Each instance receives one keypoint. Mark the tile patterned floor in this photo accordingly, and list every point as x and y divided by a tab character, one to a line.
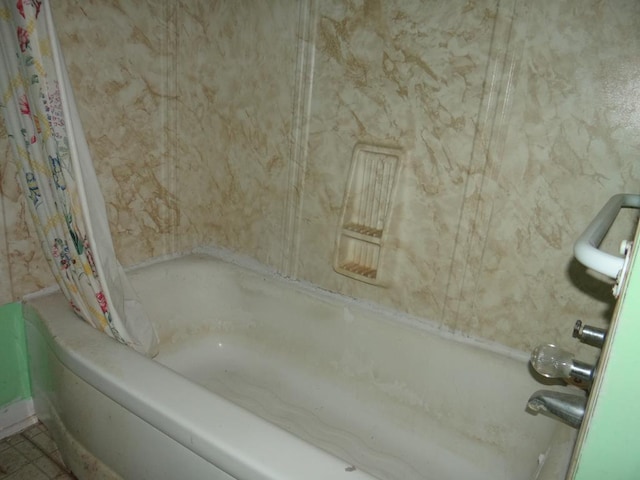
31	455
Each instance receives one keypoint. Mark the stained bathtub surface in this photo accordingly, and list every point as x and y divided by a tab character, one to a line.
375	388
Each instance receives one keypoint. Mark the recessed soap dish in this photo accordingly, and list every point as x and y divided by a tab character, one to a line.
365	212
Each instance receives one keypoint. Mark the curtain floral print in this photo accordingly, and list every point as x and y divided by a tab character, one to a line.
57	176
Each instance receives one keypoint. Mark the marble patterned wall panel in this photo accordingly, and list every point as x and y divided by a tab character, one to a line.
233	123
518	123
23	268
570	143
120	58
403	74
28	270
236	78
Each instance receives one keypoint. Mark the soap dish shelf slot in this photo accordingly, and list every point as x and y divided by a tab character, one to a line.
362	232
365	212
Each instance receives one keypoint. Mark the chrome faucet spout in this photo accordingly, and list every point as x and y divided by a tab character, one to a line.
567	407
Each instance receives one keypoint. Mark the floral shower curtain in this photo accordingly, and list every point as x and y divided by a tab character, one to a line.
56	174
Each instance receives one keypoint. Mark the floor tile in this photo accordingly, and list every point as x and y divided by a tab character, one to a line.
45	442
15	439
32	455
4	444
47	466
28	472
33	430
29	450
11	460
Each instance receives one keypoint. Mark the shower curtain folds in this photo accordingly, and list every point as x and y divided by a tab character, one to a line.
56	175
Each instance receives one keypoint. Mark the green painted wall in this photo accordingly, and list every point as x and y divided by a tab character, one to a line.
611	448
14	371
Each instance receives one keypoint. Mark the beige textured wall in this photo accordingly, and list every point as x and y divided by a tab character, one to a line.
233	123
235	80
519	122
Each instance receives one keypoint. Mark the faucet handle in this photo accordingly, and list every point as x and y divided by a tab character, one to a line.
590	335
554	362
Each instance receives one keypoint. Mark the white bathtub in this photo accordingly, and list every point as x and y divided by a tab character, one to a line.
263	378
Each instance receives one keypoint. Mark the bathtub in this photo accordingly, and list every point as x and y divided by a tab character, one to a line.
259	377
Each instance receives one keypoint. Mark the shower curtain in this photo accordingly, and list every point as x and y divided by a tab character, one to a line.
56	175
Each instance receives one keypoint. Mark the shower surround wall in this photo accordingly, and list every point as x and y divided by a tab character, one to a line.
233	124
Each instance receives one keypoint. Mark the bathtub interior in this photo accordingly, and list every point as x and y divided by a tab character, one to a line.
115	412
375	388
99	439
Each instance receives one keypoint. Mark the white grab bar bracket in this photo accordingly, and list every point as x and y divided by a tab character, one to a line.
586	247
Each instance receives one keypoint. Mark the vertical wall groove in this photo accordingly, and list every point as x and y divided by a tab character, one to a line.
170	127
299	136
485	162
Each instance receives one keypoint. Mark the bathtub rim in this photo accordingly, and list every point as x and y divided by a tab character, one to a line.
266	454
386	313
423	324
